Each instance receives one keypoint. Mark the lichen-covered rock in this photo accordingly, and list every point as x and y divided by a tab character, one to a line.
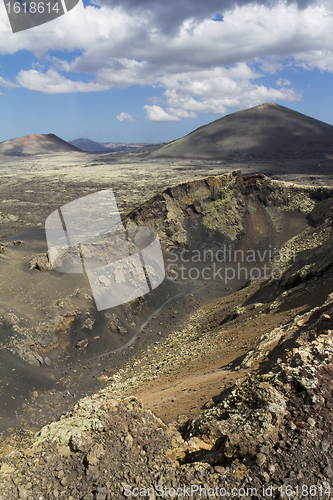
125	419
242	422
215	207
97	449
306	362
270	339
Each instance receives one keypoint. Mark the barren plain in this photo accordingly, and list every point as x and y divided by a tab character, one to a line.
32	187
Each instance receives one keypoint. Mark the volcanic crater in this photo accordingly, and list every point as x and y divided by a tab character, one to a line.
217	234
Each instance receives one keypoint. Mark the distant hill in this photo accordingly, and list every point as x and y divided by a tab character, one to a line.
35	144
265	131
106	147
88	145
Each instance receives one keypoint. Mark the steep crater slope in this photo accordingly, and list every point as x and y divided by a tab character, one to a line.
231	209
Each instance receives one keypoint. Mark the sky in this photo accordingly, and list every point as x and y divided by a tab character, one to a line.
154	70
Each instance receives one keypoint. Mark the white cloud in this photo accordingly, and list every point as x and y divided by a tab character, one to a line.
282	82
53	83
168	16
247	33
317	59
7	83
104	34
125	116
213	91
157	114
202	66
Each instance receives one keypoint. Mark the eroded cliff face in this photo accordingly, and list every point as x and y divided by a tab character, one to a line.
224	208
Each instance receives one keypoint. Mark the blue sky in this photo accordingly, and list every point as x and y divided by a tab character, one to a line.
152	71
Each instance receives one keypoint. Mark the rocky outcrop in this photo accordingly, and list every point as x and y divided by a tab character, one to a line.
95	452
214	209
41	263
34	345
243	422
270	424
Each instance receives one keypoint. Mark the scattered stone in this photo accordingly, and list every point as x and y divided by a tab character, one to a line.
23	493
328	472
292	426
82	344
41	263
264	476
128	442
120	276
261	459
121	330
101	493
311	422
182	420
325	446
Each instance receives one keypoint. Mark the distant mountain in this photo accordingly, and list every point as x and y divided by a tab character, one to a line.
262	132
88	145
106	147
35	144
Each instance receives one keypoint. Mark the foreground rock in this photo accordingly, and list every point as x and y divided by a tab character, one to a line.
271	433
94	452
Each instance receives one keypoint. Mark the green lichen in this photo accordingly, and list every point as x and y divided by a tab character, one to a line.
223	217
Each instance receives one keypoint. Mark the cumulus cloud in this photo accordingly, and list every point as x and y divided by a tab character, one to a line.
214	91
125	116
203	66
53	83
169	15
265	34
7	83
283	82
108	32
316	59
157	114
